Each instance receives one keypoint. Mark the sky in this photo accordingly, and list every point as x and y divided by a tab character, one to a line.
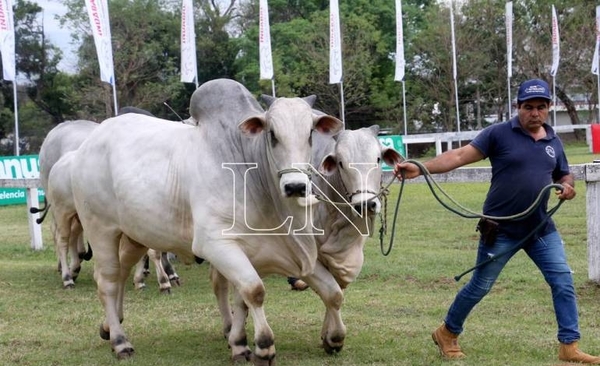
59	37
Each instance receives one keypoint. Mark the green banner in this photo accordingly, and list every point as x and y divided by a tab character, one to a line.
395	142
18	167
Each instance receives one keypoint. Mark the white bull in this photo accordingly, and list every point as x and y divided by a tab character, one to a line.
64	138
230	195
350	188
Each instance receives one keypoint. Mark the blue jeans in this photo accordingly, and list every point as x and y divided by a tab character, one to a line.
549	255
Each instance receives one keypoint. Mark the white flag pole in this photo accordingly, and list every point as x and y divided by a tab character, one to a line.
7	48
189	66
454	73
100	24
335	53
596	61
509	24
555	58
264	45
401	65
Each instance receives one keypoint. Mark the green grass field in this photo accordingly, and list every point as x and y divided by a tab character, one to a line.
390	311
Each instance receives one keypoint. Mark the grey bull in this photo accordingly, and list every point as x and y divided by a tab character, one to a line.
235	196
349	184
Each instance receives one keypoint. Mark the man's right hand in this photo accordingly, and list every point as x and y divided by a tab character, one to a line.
409	170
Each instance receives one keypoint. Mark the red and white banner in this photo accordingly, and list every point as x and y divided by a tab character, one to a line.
597	46
100	23
335	44
400	61
189	69
7	40
264	42
509	24
555	43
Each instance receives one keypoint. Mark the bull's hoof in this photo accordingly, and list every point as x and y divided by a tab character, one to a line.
125	353
165	291
261	361
68	285
104	334
331	349
242	357
175	281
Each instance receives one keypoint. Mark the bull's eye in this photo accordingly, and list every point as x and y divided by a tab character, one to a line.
378	160
310	140
341	165
273	138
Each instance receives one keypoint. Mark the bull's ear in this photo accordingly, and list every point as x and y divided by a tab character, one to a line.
327	124
253	125
391	156
328	165
311	99
374	129
267	99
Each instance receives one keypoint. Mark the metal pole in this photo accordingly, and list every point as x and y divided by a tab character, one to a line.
554	100
342	113
509	100
17	152
404	117
457	112
273	86
115	97
598	108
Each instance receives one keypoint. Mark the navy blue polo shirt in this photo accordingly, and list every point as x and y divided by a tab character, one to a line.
521	168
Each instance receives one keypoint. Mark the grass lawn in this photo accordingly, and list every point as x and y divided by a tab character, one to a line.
390	311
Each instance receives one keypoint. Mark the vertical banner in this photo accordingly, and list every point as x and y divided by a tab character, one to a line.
264	42
335	44
453	42
100	23
400	61
597	45
509	24
7	40
189	68
555	43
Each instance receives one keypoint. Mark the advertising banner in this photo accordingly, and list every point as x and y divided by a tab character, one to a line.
18	167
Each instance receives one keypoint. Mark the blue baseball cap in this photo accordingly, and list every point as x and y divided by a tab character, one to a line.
534	88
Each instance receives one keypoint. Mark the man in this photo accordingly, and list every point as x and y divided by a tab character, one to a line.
526	155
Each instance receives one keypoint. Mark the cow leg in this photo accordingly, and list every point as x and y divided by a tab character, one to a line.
232	262
164	285
131	254
107	273
62	231
139	275
333	331
75	237
169	269
237	337
220	287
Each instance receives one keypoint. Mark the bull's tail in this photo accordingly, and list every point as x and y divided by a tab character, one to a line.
34	210
87	255
44	210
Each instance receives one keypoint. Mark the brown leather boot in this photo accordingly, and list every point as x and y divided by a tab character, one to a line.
447	343
571	353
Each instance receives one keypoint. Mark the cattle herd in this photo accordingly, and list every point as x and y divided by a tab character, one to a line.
252	192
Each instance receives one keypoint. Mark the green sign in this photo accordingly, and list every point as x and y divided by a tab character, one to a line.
18	167
395	142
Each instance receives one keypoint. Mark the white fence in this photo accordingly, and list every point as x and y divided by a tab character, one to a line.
590	173
449	138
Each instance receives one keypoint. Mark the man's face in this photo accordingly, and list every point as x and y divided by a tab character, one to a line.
533	113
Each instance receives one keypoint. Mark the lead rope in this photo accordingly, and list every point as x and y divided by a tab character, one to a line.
471	214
